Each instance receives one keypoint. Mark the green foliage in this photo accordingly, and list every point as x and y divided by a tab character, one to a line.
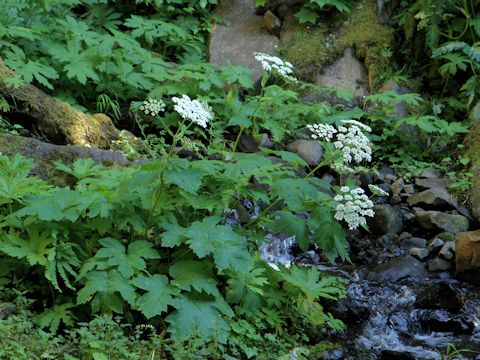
309	12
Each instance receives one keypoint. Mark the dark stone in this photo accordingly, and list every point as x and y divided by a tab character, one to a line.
412	242
400	268
419	253
439	265
439	296
384	171
429	183
444	321
396	355
431	174
387	219
272	23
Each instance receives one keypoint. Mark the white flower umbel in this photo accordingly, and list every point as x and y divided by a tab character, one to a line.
322	131
276	65
353	207
377	191
348	138
194	110
152	107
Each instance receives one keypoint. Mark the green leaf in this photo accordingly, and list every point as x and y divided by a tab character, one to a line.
52	318
191	274
130	261
203	316
306	15
289	224
228	248
104	285
159	294
291	158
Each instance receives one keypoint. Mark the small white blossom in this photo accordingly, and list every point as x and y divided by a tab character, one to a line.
354	207
194	110
277	65
152	107
377	191
341	168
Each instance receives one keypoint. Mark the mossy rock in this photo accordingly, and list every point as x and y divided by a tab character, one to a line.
472	143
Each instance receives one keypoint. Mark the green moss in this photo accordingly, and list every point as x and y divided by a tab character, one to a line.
369	38
309	48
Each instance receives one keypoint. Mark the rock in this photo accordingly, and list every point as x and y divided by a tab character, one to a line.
397	186
248	144
467	256
345	73
444	321
428	183
243	34
439	296
309	150
400	268
384	172
387	219
385	9
431	173
440	220
408	189
436	197
438	264
396	355
435	244
419	253
474	115
448	250
272	23
400	109
413	242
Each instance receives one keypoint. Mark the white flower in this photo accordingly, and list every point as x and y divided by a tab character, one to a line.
377	191
353	207
322	131
152	107
277	65
194	110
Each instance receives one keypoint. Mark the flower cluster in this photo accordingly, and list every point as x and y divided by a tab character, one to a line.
194	110
353	206
349	139
277	65
152	107
377	191
322	131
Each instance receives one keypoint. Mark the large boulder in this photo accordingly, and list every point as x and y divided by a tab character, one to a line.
242	34
467	256
472	143
439	220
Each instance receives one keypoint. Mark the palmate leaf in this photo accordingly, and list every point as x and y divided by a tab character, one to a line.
200	315
159	294
103	288
228	248
192	274
294	192
128	261
52	317
308	281
184	176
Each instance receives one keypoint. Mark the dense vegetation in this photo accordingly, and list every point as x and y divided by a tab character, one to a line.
146	261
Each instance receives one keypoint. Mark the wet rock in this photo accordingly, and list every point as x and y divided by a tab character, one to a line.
431	173
439	296
407	214
272	23
309	150
400	268
440	220
444	321
448	250
413	242
396	355
387	219
400	321
242	34
419	253
433	197
438	264
385	9
467	256
429	183
345	73
335	354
